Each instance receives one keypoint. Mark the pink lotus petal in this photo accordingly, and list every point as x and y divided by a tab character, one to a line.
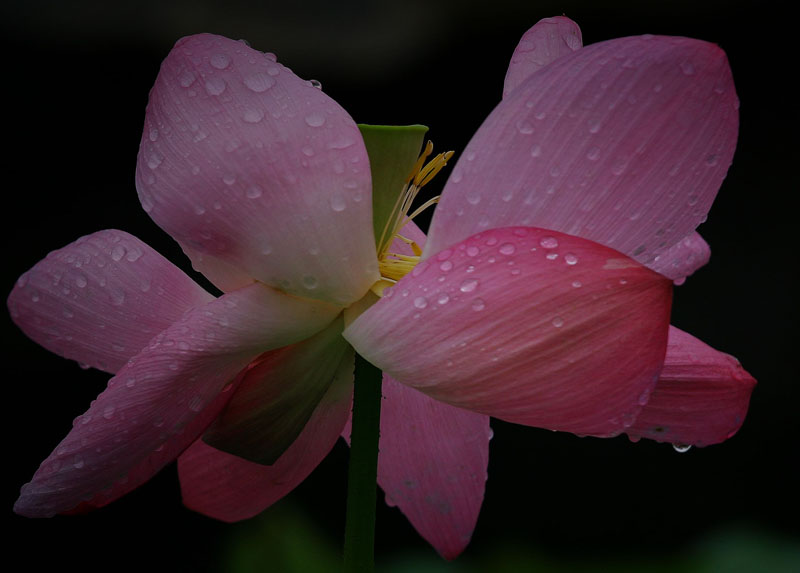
101	299
277	397
683	258
701	397
624	143
545	42
229	488
243	162
528	325
432	465
154	401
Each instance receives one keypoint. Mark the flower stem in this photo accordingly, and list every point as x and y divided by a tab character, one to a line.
359	535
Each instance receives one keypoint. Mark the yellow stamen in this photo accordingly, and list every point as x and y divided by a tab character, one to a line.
394	266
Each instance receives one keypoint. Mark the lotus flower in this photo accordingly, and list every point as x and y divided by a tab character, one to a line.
542	295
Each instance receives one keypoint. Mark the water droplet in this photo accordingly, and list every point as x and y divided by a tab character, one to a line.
310	282
118	252
446	266
507	249
253	115
108	413
469	285
577	284
473	197
570	259
154	160
473	251
220	61
316	83
315	119
259	82
130	382
594	125
682	448
80	280
420	302
593	154
337	202
253	192
491	241
536	151
215	86
551	256
78	462
478	304
687	68
524	128
548	242
443	298
186	78
133	255
153	134
558	322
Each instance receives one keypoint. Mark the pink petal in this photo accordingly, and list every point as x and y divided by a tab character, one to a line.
149	412
683	258
258	172
101	299
701	397
624	143
277	397
528	325
432	465
229	488
545	42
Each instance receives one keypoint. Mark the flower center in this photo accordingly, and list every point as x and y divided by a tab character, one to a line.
394	266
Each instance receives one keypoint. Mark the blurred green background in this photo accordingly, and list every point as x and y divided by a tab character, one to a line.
75	82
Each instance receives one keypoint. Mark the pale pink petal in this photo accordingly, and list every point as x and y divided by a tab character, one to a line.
154	401
229	488
244	162
412	232
277	397
683	258
528	325
701	397
101	299
624	143
545	42
432	465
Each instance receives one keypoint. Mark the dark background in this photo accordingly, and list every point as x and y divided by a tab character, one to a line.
75	82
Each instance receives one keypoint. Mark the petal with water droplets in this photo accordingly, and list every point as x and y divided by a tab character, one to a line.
683	258
432	464
160	401
229	488
624	143
545	42
701	397
101	299
528	325
257	173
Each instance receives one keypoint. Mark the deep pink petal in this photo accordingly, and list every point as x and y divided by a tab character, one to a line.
101	299
277	397
229	488
432	465
527	325
624	143
257	173
701	397
149	412
545	42
683	258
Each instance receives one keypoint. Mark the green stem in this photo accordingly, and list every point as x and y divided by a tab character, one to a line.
359	535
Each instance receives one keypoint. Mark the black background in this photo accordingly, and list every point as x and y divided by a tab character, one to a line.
75	81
